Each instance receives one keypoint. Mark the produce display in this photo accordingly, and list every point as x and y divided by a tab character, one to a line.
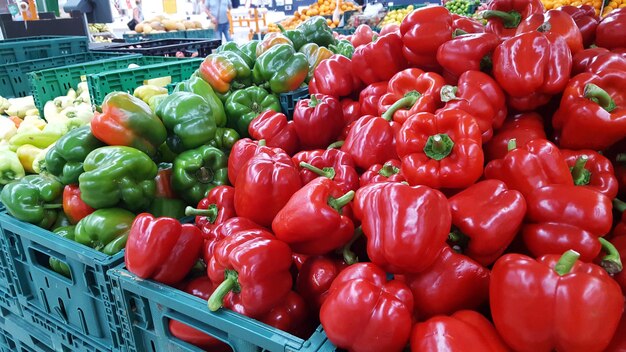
446	184
396	16
319	8
461	7
160	24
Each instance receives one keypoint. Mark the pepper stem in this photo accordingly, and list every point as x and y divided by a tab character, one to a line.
52	206
210	213
611	262
407	101
580	175
511	145
313	102
348	255
458	32
338	203
230	283
325	172
337	144
438	146
486	64
262	142
599	96
546	26
621	157
510	19
448	93
388	170
204	175
457	240
619	205
566	262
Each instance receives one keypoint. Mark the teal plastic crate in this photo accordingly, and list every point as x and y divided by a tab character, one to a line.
288	100
140	37
14	81
83	304
200	34
126	80
146	307
17	335
32	48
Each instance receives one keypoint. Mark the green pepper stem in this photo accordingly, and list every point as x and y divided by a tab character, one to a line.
230	283
52	206
448	93
337	144
407	101
545	27
210	213
620	157
262	143
282	29
566	262
388	170
438	146
611	262
581	175
325	172
512	144
348	255
458	32
486	64
313	102
374	37
599	96
338	203
510	19
619	205
458	240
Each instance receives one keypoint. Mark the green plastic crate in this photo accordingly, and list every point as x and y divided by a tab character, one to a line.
32	48
200	34
126	80
140	37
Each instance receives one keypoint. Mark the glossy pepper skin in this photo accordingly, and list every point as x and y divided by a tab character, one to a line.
370	96
200	87
165	202
128	121
334	76
224	71
592	114
531	67
371	140
423	31
343	48
467	52
246	51
467	24
561	24
73	205
314	55
592	170
318	121
365	312
395	218
554	302
610	29
118	176
315	276
586	20
522	127
441	150
504	16
65	158
367	58
197	171
162	249
618	343
244	105
254	284
583	59
217	207
388	172
188	119
330	163
316	30
243	151
291	315
223	230
409	92
57	265
276	130
105	230
225	139
465	330
487	216
363	35
264	185
34	198
351	111
271	40
282	68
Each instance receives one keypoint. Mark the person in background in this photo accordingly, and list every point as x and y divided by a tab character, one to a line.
217	12
137	12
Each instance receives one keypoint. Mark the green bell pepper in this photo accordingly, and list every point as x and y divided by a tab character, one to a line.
164	154
244	105
57	265
249	49
282	68
296	37
35	199
11	168
172	208
225	138
197	171
188	119
233	47
65	158
118	176
225	71
105	230
198	86
343	47
316	30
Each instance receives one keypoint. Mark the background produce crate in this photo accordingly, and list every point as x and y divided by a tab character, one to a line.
167	47
14	82
344	31
126	80
147	306
288	100
140	37
31	48
17	335
81	310
200	34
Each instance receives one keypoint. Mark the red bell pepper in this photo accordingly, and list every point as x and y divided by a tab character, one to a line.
582	59
318	121
592	114
226	229
423	31
242	151
370	96
466	24
607	61
528	167
73	205
163	181
388	172
277	132
522	127
560	23
586	20
464	330
441	150
162	249
371	140
315	277
351	111
331	163
610	31
364	312
592	170
504	16
217	207
379	60
264	185
313	220
436	289
363	34
390	28
252	270
335	77
618	343
532	67
554	302
468	52
487	216
404	234
291	316
479	95
409	92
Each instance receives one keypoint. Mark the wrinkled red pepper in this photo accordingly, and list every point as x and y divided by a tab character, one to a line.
316	275
367	59
560	23
610	31
277	132
467	52
73	205
371	140
370	96
330	163
423	31
592	170
522	127
226	229
388	172
504	16
318	121
586	20
335	77
217	207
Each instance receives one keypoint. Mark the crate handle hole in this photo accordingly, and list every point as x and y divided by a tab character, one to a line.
60	310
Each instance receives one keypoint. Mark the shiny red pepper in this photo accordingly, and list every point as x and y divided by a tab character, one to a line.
560	23
582	59
363	34
522	127
371	140
335	77
367	59
217	207
351	111
242	151
504	16
277	132
554	303
370	96
423	31
388	172
610	31
291	316
466	24
330	163
316	275
73	205
318	121
586	20
467	52
618	343
591	169
226	229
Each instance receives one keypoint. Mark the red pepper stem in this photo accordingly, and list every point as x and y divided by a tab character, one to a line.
230	283
262	143
338	203
621	157
509	19
438	146
581	175
52	206
566	262
619	205
448	93
210	213
512	144
611	262
388	170
337	144
325	172
458	32
313	102
599	96
348	255
407	101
